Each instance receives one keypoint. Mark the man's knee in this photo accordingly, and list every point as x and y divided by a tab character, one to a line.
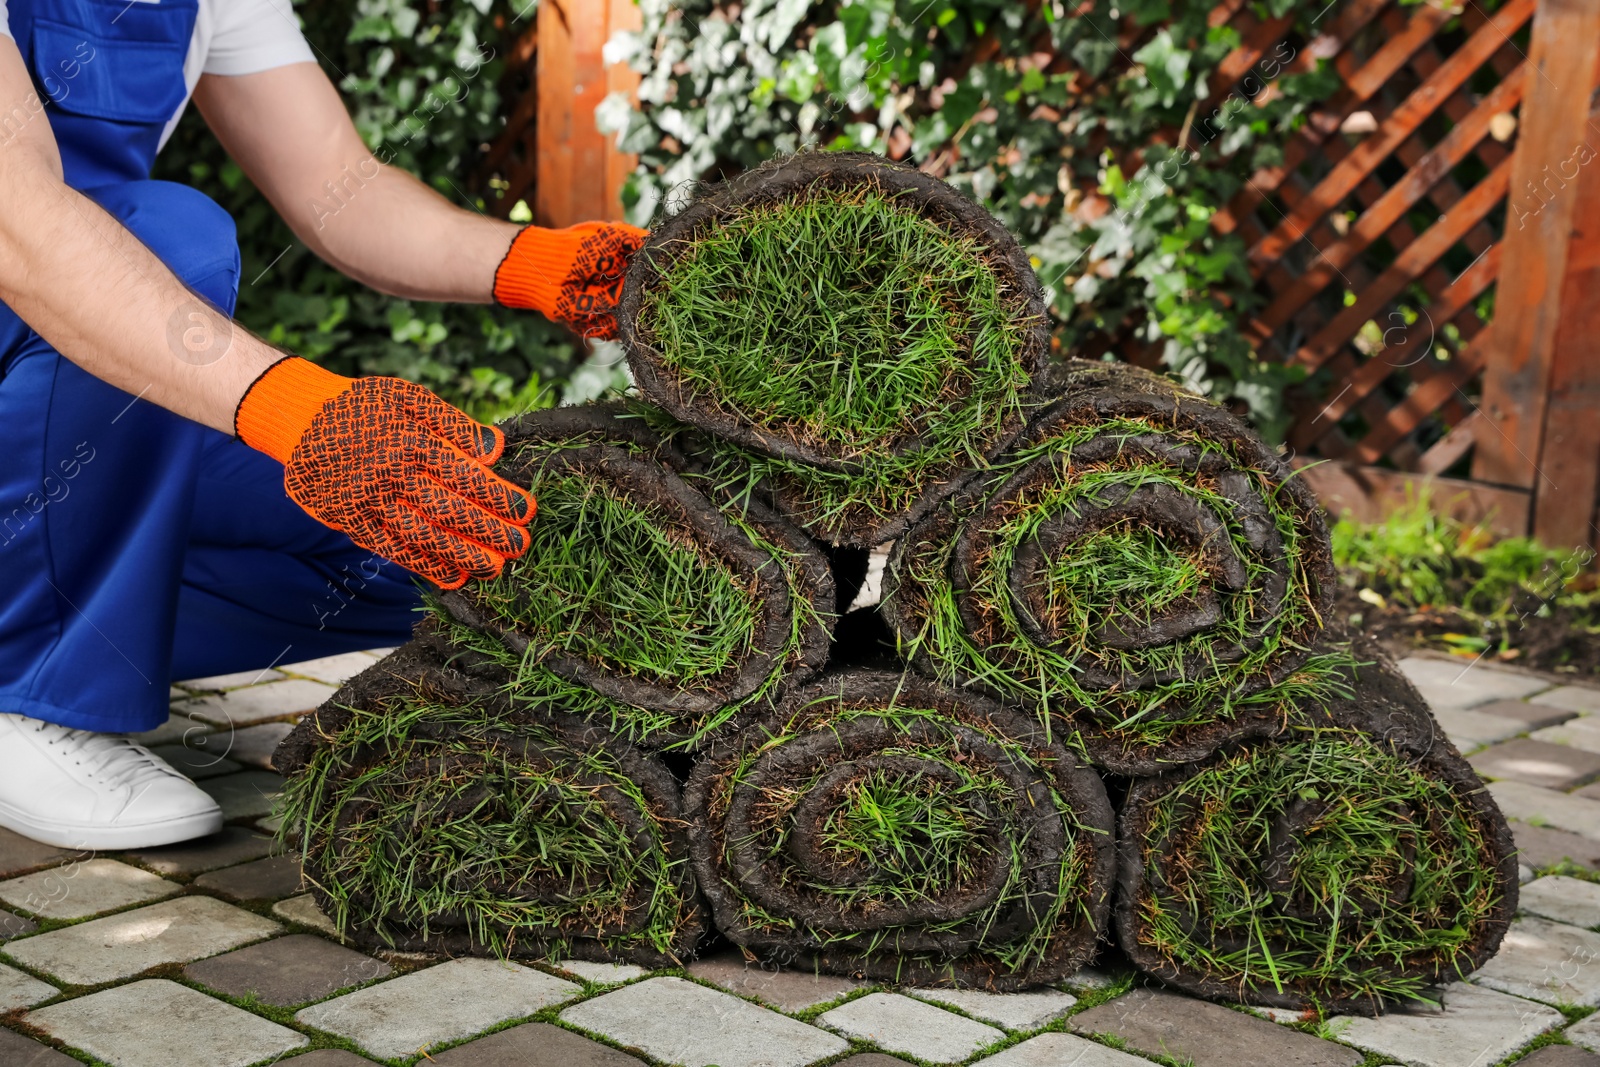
187	230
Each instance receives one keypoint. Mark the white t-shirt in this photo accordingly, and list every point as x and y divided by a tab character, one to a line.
232	37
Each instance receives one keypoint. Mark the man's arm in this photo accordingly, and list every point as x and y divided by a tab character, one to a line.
92	290
384	460
289	131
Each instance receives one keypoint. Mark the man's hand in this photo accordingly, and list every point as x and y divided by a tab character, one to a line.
391	465
573	275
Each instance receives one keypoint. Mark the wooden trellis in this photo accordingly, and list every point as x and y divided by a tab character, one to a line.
1429	248
1447	177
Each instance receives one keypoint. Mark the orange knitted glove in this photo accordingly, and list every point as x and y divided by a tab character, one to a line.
391	465
572	275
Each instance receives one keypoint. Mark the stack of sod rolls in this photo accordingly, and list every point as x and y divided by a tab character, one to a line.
1100	587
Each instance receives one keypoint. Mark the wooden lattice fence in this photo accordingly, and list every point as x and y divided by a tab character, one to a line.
1429	248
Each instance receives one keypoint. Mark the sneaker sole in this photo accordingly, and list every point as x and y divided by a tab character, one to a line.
96	838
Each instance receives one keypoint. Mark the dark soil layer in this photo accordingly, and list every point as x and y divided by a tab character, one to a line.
883	826
1349	861
435	815
1138	557
646	600
1556	637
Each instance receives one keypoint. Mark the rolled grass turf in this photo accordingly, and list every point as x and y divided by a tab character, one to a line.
646	601
852	334
436	815
1348	863
1137	563
883	826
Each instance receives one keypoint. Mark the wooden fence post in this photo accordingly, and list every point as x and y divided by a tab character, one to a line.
580	172
1554	136
1569	455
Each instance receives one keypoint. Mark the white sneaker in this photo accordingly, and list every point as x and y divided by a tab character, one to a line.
78	789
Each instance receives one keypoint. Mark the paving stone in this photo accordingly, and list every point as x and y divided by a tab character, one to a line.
429	1007
195	763
14	926
20	990
287	970
234	844
122	945
1586	1033
1541	846
873	1059
1590	792
334	670
1061	1050
157	1023
679	1022
329	1057
1560	1056
1563	899
1461	684
601	973
1538	763
246	795
1529	716
1531	803
1468	730
1545	961
1161	1023
245	707
19	1051
219	682
1014	1011
80	889
177	729
271	824
303	910
254	745
1524	874
789	990
1476	1027
534	1045
1579	698
901	1024
19	854
273	878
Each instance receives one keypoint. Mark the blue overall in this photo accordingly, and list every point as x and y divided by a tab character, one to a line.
137	547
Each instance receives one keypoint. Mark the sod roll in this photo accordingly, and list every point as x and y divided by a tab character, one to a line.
1138	561
646	600
435	815
853	335
1349	863
883	826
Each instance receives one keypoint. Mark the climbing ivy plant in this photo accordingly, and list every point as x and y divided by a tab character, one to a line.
1102	162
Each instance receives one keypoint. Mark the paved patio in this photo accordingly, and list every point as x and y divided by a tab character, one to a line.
209	954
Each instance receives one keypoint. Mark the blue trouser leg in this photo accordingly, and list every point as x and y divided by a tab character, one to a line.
136	546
